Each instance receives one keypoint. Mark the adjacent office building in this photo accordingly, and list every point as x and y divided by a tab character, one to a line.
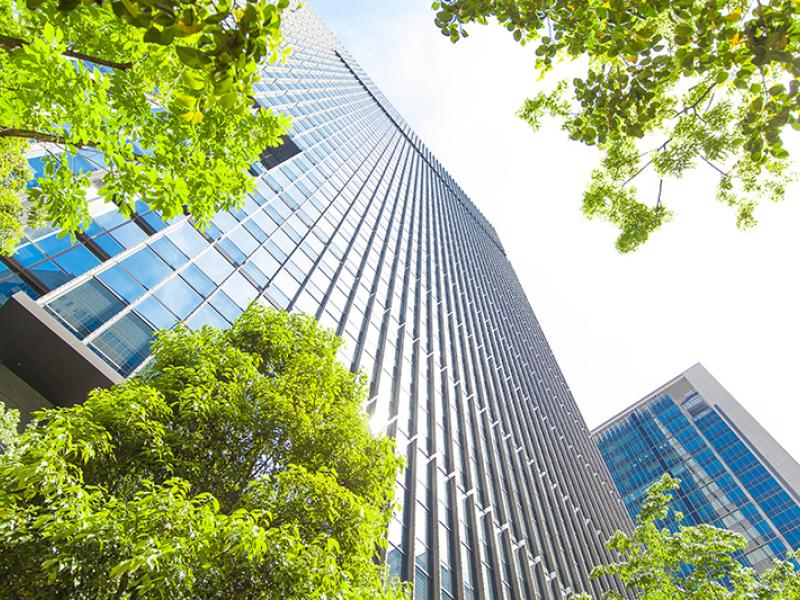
356	222
734	475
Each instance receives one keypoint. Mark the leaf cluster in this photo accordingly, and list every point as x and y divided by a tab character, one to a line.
695	562
684	82
159	93
238	465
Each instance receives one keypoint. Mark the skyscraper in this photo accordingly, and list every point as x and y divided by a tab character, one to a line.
356	222
733	474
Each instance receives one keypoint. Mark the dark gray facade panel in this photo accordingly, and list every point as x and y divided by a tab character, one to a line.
43	353
356	222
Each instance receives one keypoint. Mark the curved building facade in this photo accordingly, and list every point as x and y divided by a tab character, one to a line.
356	222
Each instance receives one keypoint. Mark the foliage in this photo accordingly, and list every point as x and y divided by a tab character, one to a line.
669	84
9	422
14	174
239	465
160	92
695	562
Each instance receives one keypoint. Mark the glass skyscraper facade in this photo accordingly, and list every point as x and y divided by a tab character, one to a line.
733	474
356	222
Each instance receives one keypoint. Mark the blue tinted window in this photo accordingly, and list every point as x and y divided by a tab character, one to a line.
225	306
111	246
283	241
110	219
147	267
28	255
265	262
188	239
243	240
129	234
213	264
53	244
257	276
77	261
169	252
86	307
154	221
50	274
198	280
224	221
122	283
11	285
232	250
276	297
179	296
206	315
264	223
156	313
255	231
239	290
126	344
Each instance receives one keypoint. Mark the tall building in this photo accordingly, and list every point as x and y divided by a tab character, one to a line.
734	475
356	222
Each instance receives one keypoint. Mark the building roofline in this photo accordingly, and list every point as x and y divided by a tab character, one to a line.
639	403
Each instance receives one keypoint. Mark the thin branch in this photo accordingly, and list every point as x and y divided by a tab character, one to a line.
48	138
660	189
639	172
32	134
694	104
715	167
10	43
647	164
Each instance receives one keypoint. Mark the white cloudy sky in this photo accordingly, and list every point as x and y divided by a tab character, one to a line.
620	326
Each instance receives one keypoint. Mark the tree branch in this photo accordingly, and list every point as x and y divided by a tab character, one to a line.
32	134
660	189
713	166
694	104
647	164
10	43
48	138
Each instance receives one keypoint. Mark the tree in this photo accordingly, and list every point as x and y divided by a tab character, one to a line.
159	92
238	465
669	84
694	562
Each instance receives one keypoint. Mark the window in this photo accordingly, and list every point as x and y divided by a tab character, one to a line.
206	315
158	315
126	343
147	267
125	286
129	234
179	296
188	239
198	280
225	306
239	290
213	264
169	252
86	307
77	261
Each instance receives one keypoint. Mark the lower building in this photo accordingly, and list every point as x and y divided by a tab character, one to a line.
734	475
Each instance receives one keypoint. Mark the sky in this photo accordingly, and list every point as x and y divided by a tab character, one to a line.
620	325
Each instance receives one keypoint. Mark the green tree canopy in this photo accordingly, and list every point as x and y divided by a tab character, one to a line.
238	465
693	563
670	84
161	92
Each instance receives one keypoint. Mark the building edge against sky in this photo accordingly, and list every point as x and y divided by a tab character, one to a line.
355	222
733	473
